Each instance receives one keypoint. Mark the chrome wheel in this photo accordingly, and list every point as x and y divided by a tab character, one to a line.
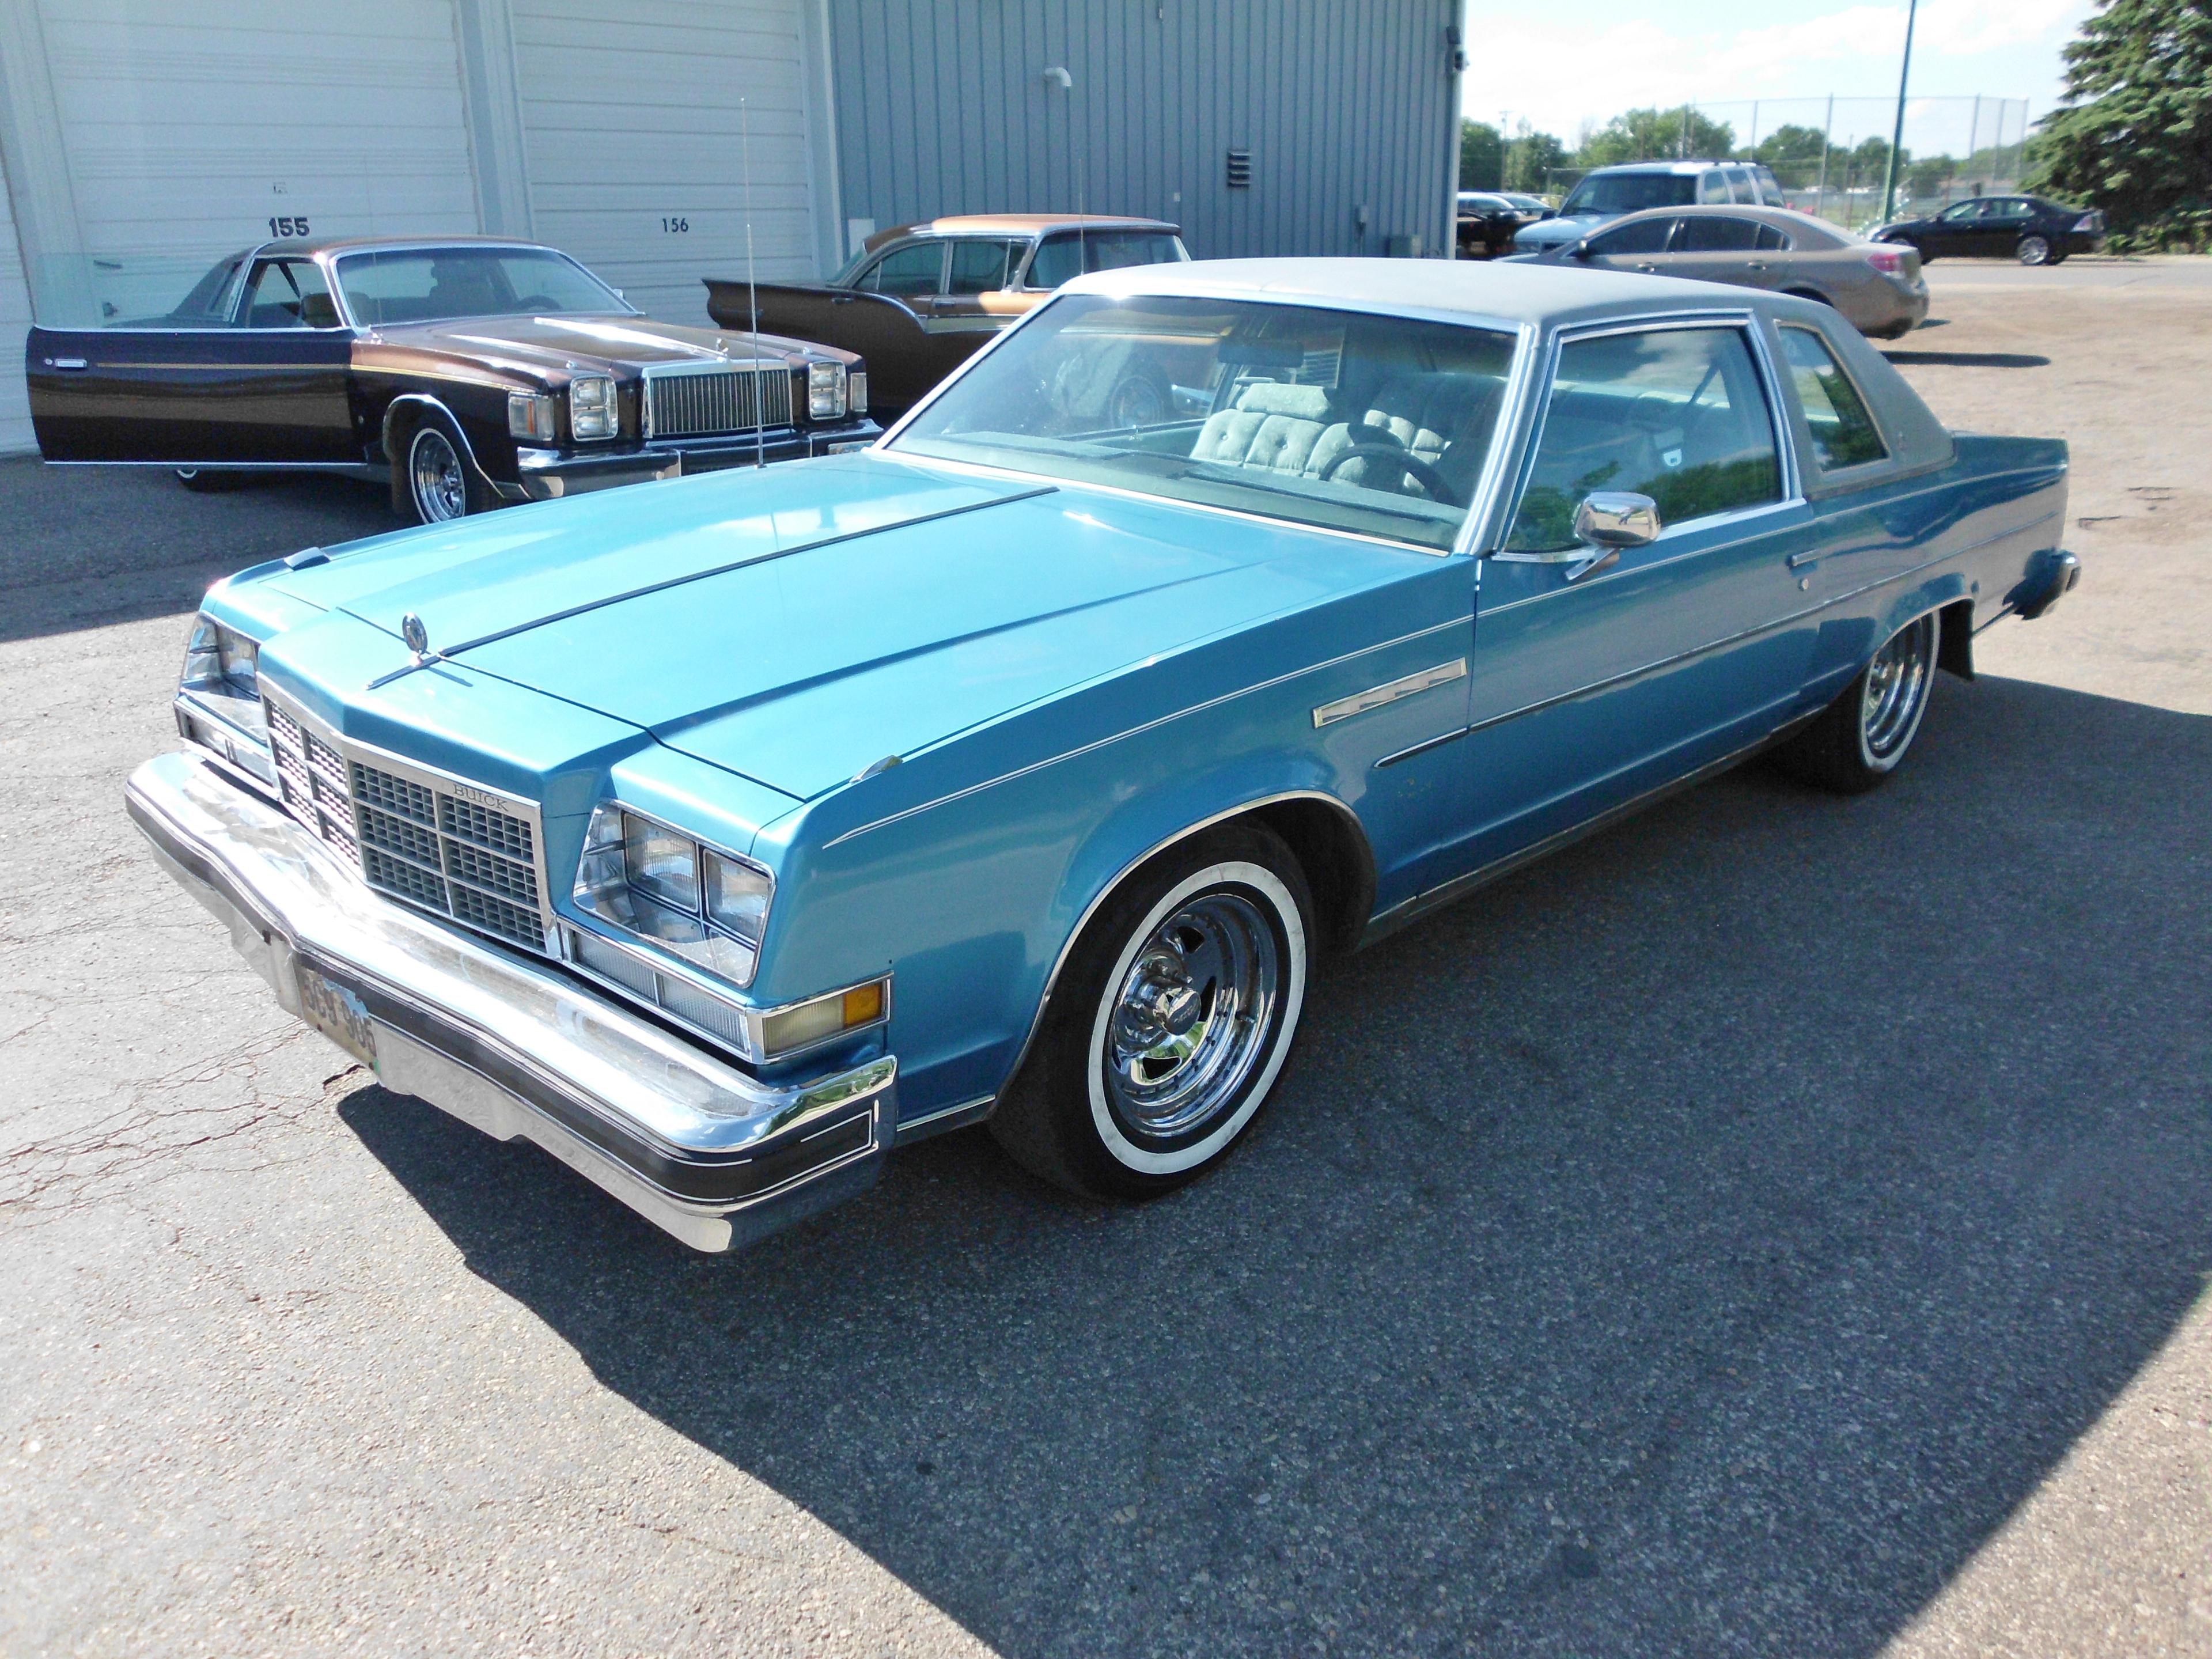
1896	694
435	476
1191	1015
2034	251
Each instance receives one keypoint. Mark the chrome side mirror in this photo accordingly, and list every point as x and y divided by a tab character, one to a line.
1608	520
1617	518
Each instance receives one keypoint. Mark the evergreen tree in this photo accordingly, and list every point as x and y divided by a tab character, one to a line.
2135	134
1482	155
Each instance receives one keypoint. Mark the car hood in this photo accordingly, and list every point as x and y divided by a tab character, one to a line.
800	624
557	346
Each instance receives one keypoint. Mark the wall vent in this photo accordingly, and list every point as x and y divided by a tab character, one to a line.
1240	169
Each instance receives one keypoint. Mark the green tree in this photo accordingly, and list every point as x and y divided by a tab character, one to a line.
1482	156
1531	159
1791	146
1656	134
2134	136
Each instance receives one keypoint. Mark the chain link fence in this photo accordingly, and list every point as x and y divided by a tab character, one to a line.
1832	154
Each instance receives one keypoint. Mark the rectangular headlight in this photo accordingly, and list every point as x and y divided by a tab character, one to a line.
825	392
646	879
530	415
591	412
662	864
223	668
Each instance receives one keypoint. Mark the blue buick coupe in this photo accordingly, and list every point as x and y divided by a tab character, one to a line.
721	835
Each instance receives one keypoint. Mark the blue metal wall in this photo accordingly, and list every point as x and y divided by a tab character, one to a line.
942	106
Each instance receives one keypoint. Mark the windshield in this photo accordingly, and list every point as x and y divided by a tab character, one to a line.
436	284
1632	193
1341	419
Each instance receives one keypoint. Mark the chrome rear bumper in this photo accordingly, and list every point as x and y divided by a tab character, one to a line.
709	1153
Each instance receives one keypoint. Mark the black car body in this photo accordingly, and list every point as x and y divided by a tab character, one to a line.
918	300
469	372
1488	221
2032	229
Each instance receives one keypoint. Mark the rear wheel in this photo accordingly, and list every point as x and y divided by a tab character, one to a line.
1864	736
1172	1018
2034	251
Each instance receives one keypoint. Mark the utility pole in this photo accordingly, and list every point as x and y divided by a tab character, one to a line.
1827	126
1897	132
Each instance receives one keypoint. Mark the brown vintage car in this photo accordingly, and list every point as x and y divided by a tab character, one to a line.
918	300
467	372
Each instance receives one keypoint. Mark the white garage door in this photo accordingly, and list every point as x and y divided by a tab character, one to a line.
634	146
195	127
15	319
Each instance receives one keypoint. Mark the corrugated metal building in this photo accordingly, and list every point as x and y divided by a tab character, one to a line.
144	139
1345	116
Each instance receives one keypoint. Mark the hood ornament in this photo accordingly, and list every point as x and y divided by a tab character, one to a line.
415	636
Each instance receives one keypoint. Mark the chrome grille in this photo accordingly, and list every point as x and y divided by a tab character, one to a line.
694	404
414	837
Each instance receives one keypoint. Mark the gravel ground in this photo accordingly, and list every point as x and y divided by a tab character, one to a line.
1778	1226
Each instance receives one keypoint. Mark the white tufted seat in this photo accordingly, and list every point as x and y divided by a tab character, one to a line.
1271	426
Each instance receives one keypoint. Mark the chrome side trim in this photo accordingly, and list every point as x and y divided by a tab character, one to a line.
513	1046
1360	702
370	471
1422	747
947	1118
1067	944
1134	731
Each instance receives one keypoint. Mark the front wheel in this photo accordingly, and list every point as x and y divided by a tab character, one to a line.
1864	736
2033	250
1173	1016
435	481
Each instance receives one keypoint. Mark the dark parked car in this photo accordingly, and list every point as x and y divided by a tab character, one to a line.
1878	288
1607	193
468	372
1489	220
918	300
2029	228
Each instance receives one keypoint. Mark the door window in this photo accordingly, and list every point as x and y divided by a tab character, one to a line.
1770	187
1712	186
290	294
2010	209
980	267
1717	232
1774	240
1740	182
1965	213
911	272
1844	432
1637	236
1678	415
1062	258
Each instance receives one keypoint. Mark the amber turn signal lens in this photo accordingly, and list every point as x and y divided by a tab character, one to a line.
864	1003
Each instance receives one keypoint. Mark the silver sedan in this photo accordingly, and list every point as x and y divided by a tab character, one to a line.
1876	285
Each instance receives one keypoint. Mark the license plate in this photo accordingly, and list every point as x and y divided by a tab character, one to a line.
338	1013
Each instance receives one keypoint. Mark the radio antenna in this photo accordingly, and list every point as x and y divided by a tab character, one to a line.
752	288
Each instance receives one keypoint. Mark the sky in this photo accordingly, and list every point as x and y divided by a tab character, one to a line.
1574	62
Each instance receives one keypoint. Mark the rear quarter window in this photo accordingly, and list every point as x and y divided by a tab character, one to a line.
1843	431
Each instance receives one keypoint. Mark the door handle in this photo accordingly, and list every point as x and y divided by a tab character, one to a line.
67	363
1755	265
1653	270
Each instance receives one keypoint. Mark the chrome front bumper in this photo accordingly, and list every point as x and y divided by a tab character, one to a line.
550	474
513	1047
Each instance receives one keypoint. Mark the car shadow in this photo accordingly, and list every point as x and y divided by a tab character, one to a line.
1699	1243
1970	359
88	546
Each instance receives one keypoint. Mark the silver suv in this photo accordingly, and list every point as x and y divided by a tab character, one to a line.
1607	192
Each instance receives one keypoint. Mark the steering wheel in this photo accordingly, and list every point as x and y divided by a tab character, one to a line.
534	302
1412	465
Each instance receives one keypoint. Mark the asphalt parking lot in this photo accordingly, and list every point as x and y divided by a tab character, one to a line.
1777	1226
